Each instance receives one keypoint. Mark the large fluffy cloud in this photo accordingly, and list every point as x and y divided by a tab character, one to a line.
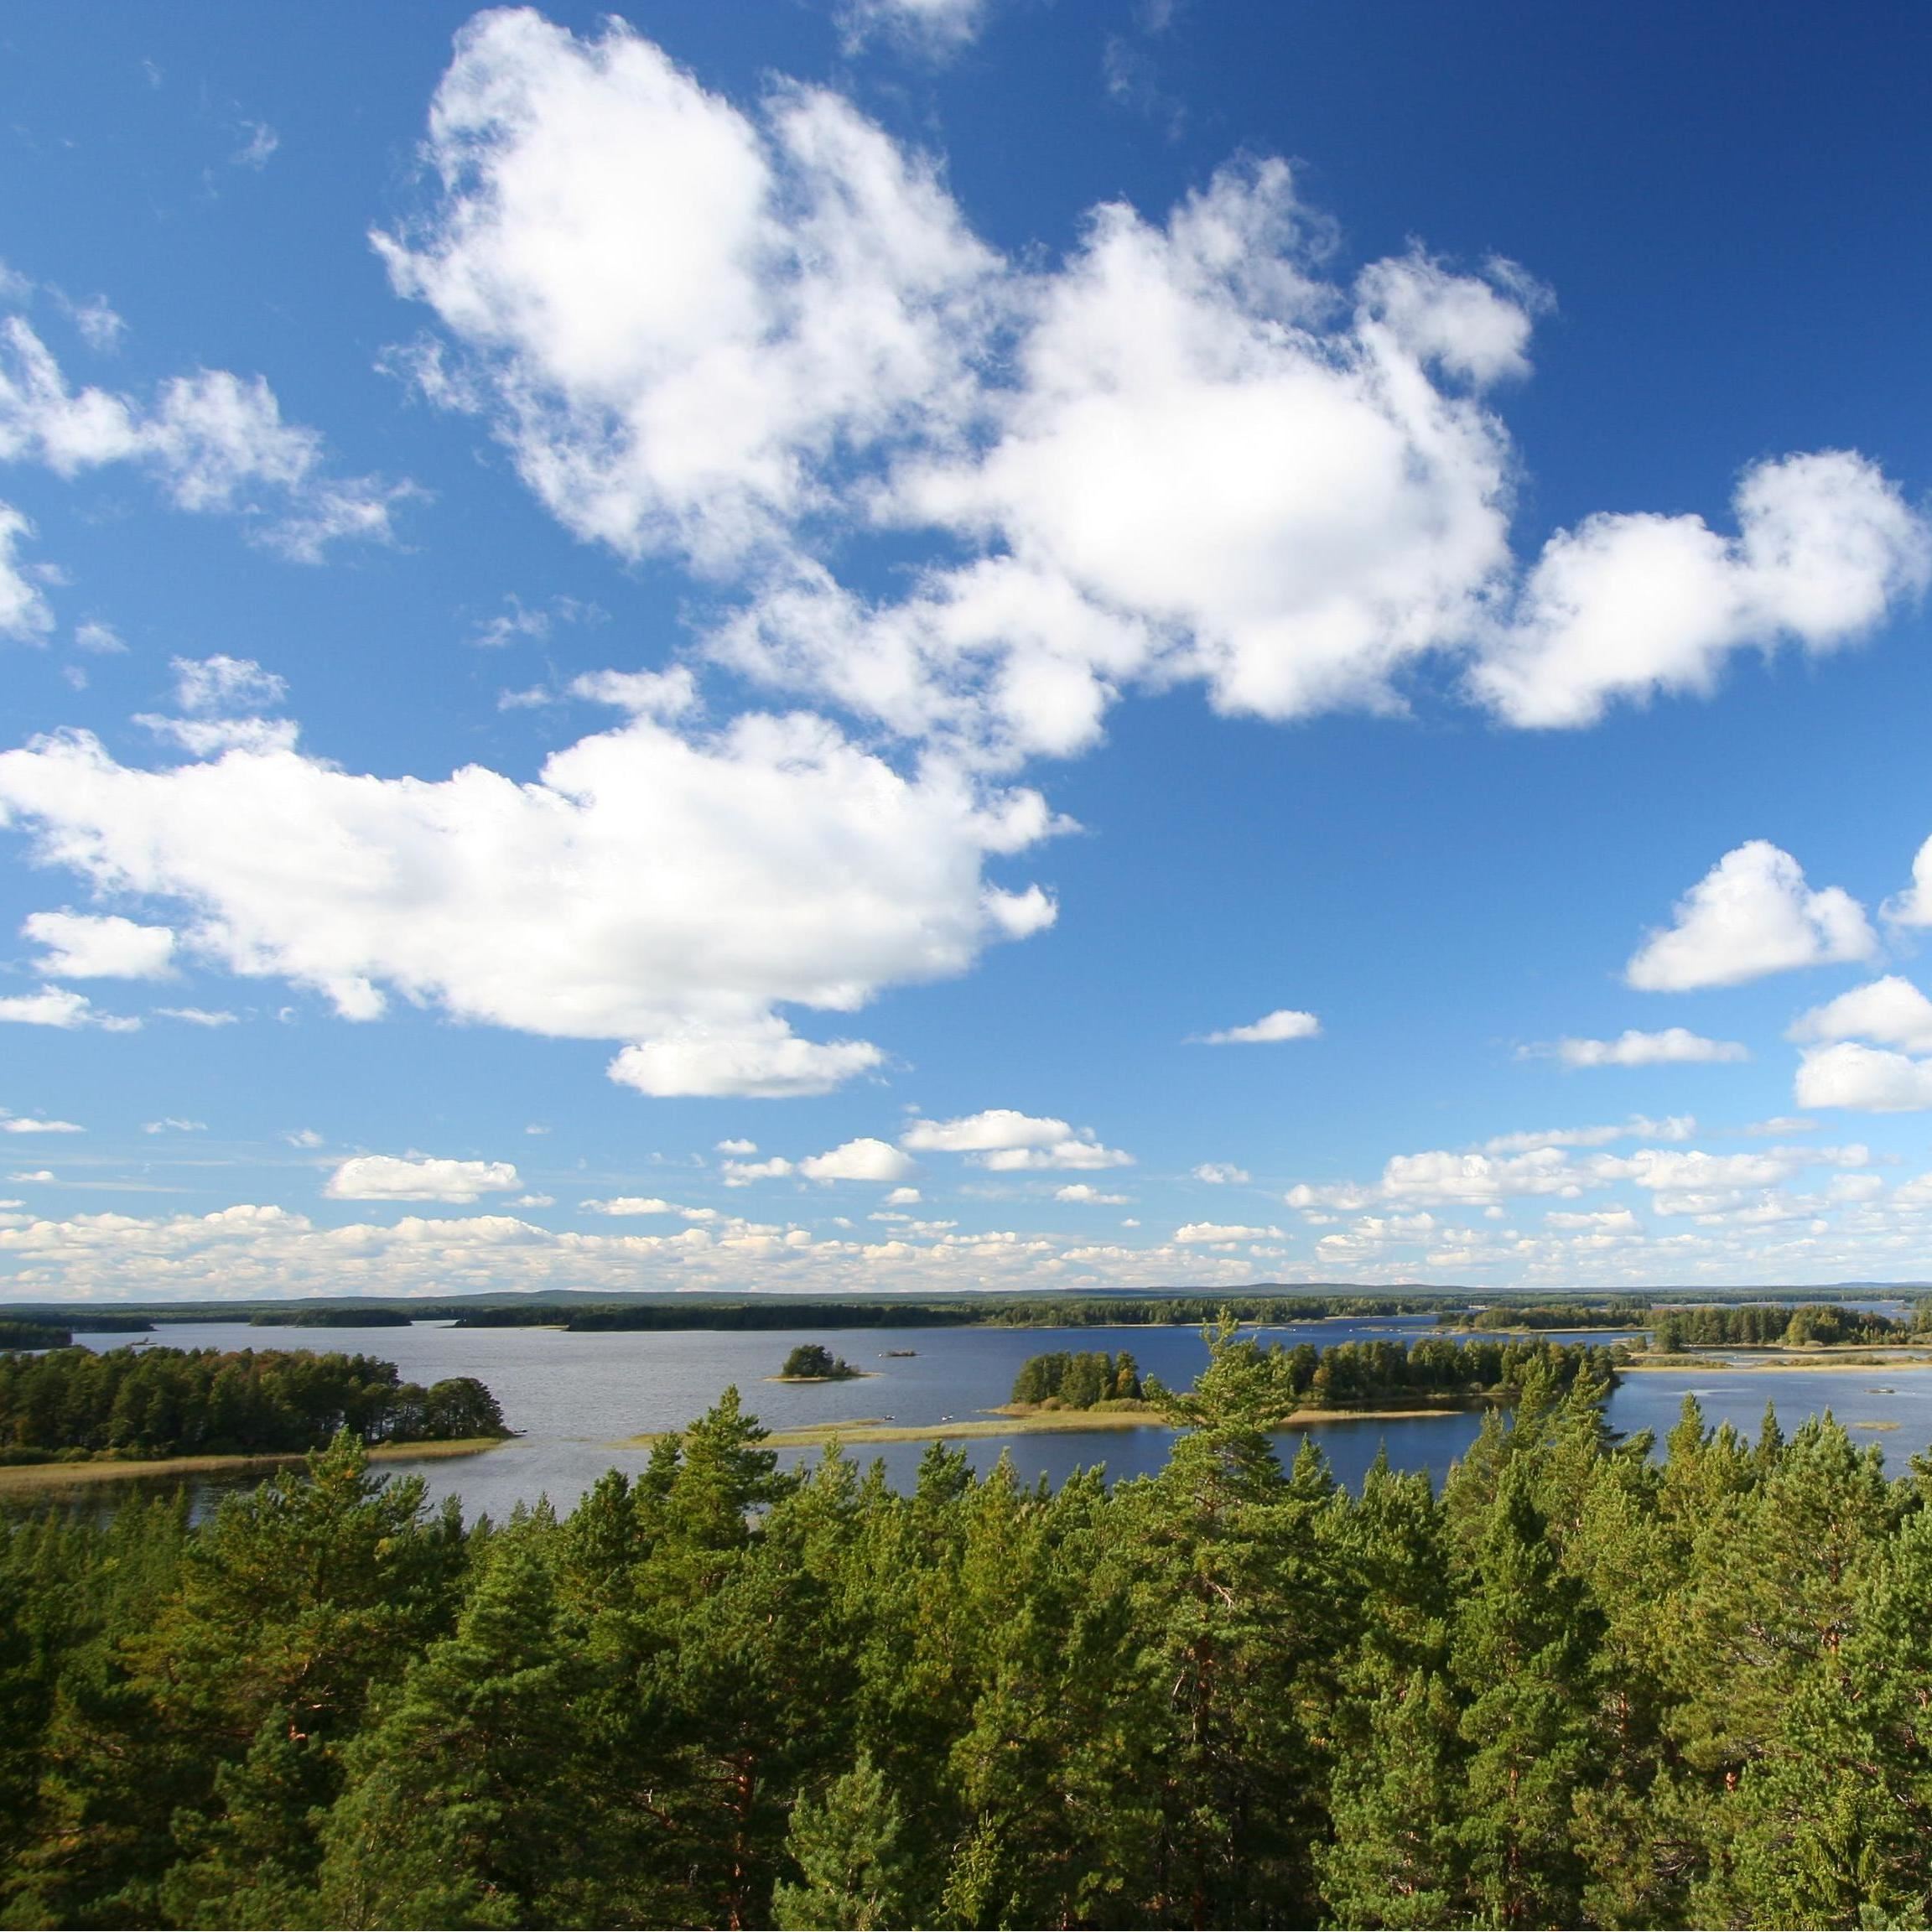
1751	914
1628	605
1892	1011
674	312
1188	450
1844	1072
1866	1079
665	888
388	1177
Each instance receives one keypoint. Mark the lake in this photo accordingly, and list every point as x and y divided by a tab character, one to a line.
575	1397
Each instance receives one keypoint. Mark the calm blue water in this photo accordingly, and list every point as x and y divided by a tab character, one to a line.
576	1397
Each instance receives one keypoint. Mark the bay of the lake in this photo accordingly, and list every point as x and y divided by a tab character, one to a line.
575	1398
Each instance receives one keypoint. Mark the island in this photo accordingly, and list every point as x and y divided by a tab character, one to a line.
812	1361
130	1411
1294	1387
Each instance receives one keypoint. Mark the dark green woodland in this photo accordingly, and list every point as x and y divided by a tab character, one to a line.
1586	1684
162	1402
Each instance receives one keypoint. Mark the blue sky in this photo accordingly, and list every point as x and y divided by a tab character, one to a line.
708	650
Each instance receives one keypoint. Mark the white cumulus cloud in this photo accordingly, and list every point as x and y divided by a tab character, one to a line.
1892	1011
997	1128
214	441
1221	1174
1008	1142
1750	915
1864	1079
1625	606
221	686
674	310
1083	1193
61	1006
387	1177
1185	450
665	888
1216	1231
1674	1046
81	946
861	1159
1283	1024
744	1173
25	615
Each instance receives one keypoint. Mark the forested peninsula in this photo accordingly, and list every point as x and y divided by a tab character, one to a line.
148	1402
1580	1687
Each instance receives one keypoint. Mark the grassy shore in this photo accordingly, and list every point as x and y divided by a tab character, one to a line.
800	1381
1825	1359
1016	1421
19	1478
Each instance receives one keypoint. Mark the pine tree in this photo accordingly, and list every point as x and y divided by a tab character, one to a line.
1522	1656
1395	1857
463	1807
850	1851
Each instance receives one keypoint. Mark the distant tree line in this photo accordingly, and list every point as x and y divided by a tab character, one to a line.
160	1402
1581	1686
1674	1329
1552	1315
34	1335
1070	1381
349	1318
979	1311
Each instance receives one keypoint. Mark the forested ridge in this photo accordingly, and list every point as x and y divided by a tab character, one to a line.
161	1402
1581	1687
1344	1374
984	1311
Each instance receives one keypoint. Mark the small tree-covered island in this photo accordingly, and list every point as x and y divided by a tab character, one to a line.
813	1362
1591	1682
1349	1377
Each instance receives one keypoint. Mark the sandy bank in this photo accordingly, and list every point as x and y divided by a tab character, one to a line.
23	1477
999	1423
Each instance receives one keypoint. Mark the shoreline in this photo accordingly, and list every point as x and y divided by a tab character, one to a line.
869	1430
1865	1364
23	1477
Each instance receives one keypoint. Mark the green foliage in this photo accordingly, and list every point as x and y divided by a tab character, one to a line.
1580	1687
158	1402
34	1335
1279	1380
813	1362
1552	1315
1069	1381
352	1316
1757	1325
